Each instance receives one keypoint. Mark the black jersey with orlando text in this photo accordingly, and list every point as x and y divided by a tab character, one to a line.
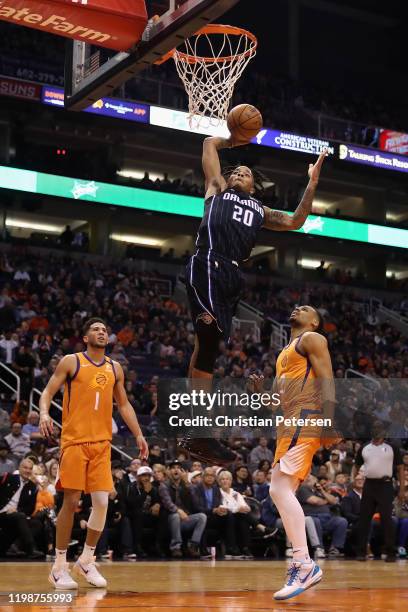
230	225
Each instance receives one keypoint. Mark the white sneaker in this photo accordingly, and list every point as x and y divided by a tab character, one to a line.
90	573
319	553
60	578
289	552
301	576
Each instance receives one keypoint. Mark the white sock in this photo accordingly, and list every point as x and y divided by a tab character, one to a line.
282	491
87	554
60	558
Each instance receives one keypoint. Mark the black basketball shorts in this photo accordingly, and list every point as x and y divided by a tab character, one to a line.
213	286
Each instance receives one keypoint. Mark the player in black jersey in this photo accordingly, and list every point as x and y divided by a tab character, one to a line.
232	220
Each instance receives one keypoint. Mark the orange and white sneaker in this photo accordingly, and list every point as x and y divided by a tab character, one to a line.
90	573
61	579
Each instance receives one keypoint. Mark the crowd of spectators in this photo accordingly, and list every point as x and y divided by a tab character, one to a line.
187	509
169	505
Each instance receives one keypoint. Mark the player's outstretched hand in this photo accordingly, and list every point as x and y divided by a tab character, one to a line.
46	426
143	447
314	169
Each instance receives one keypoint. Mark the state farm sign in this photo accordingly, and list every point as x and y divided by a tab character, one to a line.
115	24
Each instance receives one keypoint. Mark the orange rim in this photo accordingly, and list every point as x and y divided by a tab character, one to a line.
214	28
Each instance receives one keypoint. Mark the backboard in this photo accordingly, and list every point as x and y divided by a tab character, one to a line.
92	73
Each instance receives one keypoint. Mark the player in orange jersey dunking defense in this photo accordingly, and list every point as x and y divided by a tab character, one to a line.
304	381
91	382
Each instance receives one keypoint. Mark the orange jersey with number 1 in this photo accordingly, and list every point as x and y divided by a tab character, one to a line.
88	401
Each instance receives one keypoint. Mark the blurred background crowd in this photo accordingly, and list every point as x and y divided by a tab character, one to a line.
170	505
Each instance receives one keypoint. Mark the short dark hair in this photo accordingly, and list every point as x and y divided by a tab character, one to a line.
90	322
320	327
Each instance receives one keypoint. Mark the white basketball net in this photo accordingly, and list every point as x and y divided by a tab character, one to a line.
209	64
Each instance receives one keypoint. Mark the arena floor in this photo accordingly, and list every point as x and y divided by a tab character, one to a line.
235	586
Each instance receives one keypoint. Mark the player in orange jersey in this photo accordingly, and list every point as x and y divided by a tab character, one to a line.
304	380
91	382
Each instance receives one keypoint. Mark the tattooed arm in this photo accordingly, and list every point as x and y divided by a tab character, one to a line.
280	221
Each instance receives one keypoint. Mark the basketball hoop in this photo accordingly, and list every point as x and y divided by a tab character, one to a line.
209	63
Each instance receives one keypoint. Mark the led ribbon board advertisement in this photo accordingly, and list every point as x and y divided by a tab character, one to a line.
292	142
109	107
178	120
370	157
143	199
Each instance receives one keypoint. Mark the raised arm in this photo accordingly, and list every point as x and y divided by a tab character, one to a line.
127	412
214	181
282	222
65	368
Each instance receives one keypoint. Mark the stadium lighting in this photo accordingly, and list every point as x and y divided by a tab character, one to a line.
311	264
133	239
136	174
40	227
321	205
398	274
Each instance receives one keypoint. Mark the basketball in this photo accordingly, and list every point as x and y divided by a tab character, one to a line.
244	121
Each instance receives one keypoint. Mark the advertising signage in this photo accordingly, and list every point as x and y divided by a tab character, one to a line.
179	120
170	203
120	109
292	142
108	107
373	158
396	142
16	88
53	96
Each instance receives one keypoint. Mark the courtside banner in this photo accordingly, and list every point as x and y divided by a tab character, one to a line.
15	88
115	24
